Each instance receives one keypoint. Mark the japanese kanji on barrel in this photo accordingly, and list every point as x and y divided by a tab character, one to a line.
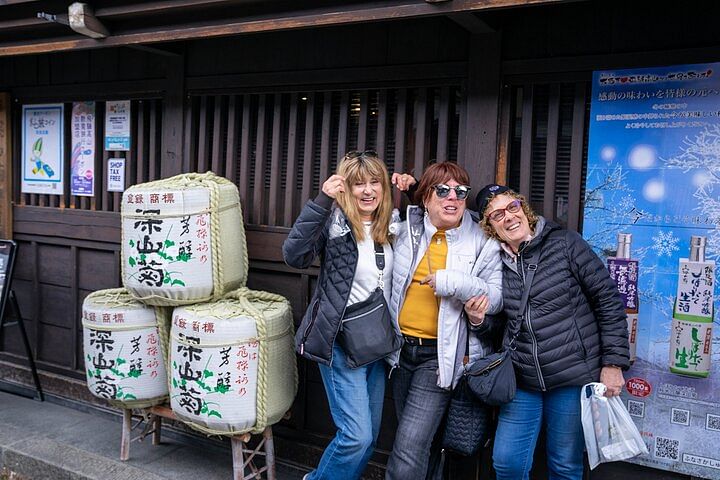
233	367
183	240
124	349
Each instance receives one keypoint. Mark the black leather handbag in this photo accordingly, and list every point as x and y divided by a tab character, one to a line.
492	379
366	331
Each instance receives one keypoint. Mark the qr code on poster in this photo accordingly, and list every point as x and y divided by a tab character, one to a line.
680	416
713	422
667	448
636	409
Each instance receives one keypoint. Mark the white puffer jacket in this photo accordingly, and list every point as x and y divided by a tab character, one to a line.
473	267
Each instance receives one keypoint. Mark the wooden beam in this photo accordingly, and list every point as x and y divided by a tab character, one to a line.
83	21
319	17
6	177
470	22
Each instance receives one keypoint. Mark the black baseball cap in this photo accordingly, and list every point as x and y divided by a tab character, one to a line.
486	194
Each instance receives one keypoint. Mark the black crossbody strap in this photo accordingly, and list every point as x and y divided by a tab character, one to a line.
379	256
532	268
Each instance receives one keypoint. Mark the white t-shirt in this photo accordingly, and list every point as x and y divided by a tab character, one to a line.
366	273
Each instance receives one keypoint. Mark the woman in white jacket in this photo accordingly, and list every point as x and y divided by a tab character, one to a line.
442	259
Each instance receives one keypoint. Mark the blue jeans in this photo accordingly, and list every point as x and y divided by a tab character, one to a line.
518	428
356	401
420	406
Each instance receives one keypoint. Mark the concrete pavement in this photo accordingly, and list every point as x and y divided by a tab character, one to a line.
49	440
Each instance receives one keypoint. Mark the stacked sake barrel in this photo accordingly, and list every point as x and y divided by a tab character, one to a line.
125	344
230	361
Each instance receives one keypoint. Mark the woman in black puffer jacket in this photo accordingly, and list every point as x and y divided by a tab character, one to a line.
574	331
345	237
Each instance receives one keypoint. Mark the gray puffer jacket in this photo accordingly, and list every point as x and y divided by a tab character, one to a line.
576	322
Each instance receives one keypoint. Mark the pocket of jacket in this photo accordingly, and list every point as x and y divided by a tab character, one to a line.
313	314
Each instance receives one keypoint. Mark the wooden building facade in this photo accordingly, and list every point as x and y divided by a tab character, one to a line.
270	95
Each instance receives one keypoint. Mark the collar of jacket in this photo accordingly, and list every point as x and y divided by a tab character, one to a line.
542	230
420	225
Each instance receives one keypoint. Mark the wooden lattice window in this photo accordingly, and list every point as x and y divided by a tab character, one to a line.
280	147
546	136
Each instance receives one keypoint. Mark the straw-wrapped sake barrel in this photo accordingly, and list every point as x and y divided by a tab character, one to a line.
125	347
233	367
183	240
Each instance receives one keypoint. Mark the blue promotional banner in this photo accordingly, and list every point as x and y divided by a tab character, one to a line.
654	173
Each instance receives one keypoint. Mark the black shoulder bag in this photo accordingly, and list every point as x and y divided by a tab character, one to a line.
366	331
492	379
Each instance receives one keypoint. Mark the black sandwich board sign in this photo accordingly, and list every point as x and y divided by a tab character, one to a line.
8	302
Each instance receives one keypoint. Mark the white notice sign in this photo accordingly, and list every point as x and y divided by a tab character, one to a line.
116	175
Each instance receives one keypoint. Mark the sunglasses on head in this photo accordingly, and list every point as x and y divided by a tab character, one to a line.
499	214
364	153
461	191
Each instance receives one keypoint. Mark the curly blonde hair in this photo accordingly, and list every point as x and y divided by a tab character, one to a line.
527	210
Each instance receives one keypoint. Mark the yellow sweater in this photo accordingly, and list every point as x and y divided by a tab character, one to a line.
419	313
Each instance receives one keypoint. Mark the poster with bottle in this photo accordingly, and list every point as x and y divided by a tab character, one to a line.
82	155
42	154
654	172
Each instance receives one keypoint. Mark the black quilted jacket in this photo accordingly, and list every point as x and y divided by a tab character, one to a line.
309	238
576	323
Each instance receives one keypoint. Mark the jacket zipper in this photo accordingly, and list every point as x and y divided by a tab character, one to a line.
316	307
489	367
536	360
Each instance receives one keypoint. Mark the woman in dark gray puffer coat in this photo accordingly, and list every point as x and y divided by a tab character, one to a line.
574	331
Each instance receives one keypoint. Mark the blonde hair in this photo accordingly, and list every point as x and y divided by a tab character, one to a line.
526	208
360	168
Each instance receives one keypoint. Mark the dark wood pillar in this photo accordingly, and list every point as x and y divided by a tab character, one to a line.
5	168
173	115
478	152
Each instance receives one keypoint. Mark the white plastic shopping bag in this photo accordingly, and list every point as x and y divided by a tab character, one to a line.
610	433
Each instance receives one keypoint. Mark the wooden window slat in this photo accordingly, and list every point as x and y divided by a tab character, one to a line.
325	140
203	140
551	151
526	142
421	121
218	129
308	154
382	114
291	166
441	153
139	144
232	138
400	132
275	160
190	141
260	150
501	176
342	143
363	121
244	175
153	157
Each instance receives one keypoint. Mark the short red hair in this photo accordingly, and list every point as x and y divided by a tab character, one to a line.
440	173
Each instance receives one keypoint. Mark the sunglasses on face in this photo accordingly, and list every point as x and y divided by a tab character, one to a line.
499	214
364	153
461	191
